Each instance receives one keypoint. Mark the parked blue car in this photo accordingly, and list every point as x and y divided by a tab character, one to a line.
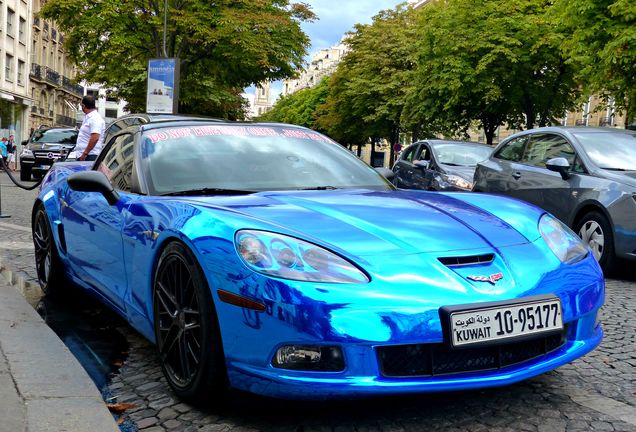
268	258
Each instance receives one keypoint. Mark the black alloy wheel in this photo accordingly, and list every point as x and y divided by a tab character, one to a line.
186	327
596	231
47	262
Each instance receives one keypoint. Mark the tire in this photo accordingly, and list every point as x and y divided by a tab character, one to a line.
25	174
596	232
49	267
186	328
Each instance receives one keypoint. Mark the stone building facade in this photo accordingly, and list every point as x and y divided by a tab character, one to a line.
15	99
55	95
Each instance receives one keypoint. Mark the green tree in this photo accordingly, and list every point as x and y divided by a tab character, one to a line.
299	108
497	62
223	46
366	95
603	39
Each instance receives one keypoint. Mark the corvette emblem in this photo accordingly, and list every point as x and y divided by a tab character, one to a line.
493	278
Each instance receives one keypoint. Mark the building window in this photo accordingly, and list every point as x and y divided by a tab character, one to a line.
8	68
20	72
92	92
10	19
110	98
111	113
21	30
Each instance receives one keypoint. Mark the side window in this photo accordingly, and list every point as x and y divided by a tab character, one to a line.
409	153
117	162
425	154
513	150
114	128
543	147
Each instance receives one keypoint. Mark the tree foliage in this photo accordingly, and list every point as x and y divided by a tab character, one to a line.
603	40
223	46
497	62
299	108
366	95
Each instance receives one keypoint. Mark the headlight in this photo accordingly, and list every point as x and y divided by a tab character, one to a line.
566	245
26	152
457	181
290	258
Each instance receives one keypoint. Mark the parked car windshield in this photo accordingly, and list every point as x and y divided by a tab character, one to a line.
250	158
610	150
55	136
461	154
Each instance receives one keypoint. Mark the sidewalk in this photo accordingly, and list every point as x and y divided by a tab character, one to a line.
43	388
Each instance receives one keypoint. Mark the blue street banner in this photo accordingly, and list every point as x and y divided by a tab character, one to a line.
163	86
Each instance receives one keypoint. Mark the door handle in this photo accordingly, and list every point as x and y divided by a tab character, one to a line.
516	175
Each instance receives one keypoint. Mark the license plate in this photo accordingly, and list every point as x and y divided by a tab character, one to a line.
483	325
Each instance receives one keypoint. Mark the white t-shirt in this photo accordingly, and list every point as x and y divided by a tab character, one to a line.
93	123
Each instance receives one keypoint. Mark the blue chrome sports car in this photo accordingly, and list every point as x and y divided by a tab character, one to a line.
268	258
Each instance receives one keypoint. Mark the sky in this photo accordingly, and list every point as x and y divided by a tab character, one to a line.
335	18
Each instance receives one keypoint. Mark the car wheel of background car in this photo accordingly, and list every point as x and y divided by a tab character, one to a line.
596	232
186	328
25	173
49	268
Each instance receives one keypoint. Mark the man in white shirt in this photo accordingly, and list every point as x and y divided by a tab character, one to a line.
90	138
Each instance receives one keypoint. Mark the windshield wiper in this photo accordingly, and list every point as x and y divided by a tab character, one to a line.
208	191
320	188
615	169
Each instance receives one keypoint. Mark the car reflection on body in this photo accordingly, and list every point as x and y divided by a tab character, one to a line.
440	165
584	176
268	258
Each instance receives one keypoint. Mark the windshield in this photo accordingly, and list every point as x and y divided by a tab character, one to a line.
613	150
55	136
250	158
461	154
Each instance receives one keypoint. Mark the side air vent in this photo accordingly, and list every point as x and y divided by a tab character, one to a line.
467	260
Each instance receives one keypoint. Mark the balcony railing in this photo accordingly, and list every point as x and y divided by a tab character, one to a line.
52	76
67	83
54	34
581	122
66	121
36	71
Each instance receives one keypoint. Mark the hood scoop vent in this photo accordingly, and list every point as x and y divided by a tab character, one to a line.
467	260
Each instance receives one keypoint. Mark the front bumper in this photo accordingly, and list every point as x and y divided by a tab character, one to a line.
363	378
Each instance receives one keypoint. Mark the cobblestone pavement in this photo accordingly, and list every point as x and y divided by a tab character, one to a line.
595	393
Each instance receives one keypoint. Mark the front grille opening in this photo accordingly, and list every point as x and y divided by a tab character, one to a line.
467	260
437	359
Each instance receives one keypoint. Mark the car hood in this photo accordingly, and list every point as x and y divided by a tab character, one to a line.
49	146
366	223
626	177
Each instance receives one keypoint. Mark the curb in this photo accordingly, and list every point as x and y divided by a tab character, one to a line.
52	388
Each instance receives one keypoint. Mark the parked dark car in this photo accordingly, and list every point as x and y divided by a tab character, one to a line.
43	148
584	176
439	165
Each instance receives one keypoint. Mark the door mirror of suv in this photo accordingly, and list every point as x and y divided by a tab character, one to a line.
560	165
421	164
385	172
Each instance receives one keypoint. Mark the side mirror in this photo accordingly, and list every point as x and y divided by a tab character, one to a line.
385	172
25	142
93	181
421	164
560	165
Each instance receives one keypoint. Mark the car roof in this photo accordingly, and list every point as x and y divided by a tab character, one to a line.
587	129
186	121
435	141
